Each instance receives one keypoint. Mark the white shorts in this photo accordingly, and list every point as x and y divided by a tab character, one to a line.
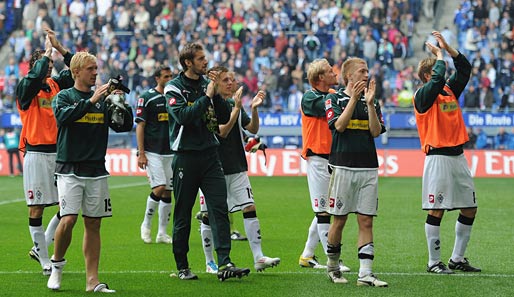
318	179
353	191
447	183
159	170
86	194
239	193
38	179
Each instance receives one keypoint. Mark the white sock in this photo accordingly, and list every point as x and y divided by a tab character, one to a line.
462	235
38	238
333	254
323	235
207	243
50	230
151	207
253	231
434	243
312	239
366	263
164	216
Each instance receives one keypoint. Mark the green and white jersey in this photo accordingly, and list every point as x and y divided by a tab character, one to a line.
83	129
193	117
231	149
151	109
354	147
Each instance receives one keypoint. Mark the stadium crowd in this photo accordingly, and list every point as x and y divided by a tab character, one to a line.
267	43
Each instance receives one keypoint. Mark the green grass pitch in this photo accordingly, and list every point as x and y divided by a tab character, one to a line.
137	269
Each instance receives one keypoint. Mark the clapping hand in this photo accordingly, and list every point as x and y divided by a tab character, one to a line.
237	98
369	92
258	99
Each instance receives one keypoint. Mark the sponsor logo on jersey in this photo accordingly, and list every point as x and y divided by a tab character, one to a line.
449	106
30	194
45	102
431	198
162	117
330	114
328	104
139	111
92	118
358	125
140	102
332	202
316	204
172	101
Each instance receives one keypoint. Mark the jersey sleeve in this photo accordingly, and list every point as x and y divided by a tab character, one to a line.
140	110
332	110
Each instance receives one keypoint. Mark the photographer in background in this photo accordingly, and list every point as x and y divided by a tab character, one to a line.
83	119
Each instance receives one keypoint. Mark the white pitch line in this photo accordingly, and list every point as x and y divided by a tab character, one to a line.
462	274
11	201
128	185
110	187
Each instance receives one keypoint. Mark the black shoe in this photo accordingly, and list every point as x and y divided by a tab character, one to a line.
229	271
34	255
186	274
237	236
439	268
463	266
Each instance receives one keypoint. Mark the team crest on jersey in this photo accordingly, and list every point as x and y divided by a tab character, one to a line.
172	101
140	102
323	202
440	197
328	104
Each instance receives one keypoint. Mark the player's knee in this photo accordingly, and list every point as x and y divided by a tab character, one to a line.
339	222
365	222
36	211
249	208
471	212
68	222
159	190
